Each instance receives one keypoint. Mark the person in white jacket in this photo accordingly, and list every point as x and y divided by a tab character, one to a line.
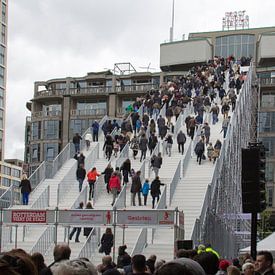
88	139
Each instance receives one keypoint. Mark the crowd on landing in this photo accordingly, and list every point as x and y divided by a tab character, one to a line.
203	260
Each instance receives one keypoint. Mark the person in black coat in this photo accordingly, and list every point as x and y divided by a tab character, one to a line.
126	169
155	190
199	150
80	175
123	258
88	230
107	241
25	189
107	175
108	146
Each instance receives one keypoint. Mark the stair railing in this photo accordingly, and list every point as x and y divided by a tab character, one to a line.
141	242
174	182
45	241
90	246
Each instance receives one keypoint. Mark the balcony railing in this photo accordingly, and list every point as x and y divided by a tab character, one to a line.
96	90
89	112
50	92
267	81
46	114
90	90
137	87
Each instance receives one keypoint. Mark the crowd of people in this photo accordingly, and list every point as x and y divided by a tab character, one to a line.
203	260
203	88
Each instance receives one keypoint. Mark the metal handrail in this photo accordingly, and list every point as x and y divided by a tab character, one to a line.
141	242
61	158
222	202
121	199
174	182
90	246
98	188
44	241
42	201
82	197
124	154
38	175
162	204
65	184
142	170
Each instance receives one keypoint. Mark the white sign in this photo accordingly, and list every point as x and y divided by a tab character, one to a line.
145	217
85	217
28	216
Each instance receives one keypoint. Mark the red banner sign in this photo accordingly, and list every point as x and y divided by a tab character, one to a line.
28	216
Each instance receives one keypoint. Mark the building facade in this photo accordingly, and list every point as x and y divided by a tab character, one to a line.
10	174
65	106
258	43
3	71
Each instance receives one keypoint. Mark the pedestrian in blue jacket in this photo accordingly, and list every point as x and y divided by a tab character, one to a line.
145	190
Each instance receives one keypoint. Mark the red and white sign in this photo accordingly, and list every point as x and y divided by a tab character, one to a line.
29	216
84	217
147	217
181	219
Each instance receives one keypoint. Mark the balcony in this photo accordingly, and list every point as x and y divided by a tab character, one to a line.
89	112
141	88
47	114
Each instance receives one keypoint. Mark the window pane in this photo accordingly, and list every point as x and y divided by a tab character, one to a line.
51	129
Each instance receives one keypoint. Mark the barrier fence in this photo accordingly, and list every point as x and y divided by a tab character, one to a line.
79	218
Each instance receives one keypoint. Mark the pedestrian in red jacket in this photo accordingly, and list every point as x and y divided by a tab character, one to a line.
114	186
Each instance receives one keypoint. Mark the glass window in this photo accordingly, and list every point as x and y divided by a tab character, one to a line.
267	122
3	34
239	45
109	83
2	55
2	72
6	170
268	99
15	173
269	143
51	129
50	151
36	130
35	152
1	92
6	182
4	8
61	85
269	196
269	171
218	41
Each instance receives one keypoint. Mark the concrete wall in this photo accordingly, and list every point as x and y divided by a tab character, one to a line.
266	48
185	52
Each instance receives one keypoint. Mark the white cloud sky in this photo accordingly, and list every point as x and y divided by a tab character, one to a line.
59	38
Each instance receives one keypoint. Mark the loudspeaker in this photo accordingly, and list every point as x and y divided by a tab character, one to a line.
250	179
184	244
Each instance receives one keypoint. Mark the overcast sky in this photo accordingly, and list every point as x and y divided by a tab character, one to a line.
58	38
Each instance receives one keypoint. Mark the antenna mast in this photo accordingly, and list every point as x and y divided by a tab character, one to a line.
172	27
